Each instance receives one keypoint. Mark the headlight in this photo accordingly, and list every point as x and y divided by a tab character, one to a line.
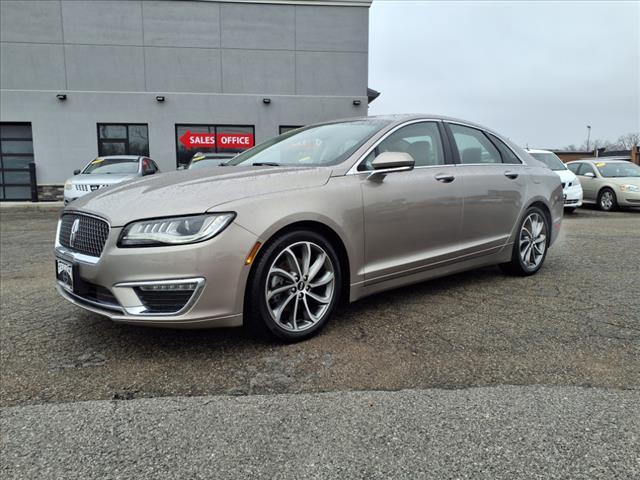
629	188
68	184
174	230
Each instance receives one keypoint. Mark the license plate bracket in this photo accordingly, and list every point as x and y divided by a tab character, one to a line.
65	274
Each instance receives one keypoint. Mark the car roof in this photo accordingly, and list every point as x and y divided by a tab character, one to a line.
602	160
126	157
532	150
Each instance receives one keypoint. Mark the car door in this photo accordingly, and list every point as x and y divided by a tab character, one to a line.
590	184
494	188
412	219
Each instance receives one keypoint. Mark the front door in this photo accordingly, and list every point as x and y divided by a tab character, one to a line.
412	219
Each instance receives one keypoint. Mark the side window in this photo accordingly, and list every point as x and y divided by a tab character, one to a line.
507	154
585	168
574	167
420	140
154	165
473	146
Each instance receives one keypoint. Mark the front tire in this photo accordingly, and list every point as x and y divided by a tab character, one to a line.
607	200
530	247
295	286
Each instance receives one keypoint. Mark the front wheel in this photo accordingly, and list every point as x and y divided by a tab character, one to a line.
607	200
530	247
295	286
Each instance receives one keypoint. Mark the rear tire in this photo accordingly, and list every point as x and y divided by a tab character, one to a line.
607	201
531	244
294	288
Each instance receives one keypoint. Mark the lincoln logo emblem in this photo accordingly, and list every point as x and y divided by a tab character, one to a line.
74	231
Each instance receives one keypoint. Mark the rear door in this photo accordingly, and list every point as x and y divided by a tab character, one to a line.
494	188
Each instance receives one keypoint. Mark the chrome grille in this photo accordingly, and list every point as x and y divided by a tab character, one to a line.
90	237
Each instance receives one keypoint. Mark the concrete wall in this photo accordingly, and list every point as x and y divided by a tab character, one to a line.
213	62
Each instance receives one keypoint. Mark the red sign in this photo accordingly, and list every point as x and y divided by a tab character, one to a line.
235	140
195	140
222	140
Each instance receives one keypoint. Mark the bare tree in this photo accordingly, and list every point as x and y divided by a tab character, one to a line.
630	140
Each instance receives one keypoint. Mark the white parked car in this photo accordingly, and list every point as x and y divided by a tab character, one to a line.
571	187
105	171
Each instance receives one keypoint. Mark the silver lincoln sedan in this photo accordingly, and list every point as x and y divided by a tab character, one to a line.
279	234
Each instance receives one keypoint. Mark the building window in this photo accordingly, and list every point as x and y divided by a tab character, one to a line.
287	128
123	139
226	140
16	153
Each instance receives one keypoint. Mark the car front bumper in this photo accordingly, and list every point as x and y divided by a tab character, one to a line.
628	199
217	266
573	196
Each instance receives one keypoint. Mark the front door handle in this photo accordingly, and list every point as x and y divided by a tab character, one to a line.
511	175
445	178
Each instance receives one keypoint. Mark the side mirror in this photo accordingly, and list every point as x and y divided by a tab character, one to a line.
388	162
76	171
590	175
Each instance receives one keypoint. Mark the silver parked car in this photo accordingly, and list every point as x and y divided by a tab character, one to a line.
105	171
608	182
336	210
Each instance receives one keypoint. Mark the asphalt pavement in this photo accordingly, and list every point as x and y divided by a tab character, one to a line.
481	433
452	369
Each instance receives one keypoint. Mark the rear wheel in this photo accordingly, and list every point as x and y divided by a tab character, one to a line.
295	287
530	247
607	200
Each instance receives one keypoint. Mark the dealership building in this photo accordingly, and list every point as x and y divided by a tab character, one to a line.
82	79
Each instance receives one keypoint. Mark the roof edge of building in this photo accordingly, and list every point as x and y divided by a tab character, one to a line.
334	3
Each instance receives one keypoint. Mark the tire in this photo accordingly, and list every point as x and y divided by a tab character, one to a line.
289	297
570	209
531	245
607	201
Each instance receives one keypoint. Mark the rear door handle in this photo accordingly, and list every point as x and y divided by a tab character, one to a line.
511	175
445	178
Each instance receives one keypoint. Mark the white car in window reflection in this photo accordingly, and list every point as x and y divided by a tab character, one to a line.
104	171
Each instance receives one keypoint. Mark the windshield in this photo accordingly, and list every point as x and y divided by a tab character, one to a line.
112	165
621	169
205	162
551	160
320	145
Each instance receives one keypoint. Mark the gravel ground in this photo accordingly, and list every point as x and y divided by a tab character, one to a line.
577	322
481	433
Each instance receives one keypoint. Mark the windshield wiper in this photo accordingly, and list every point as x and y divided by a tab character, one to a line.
265	164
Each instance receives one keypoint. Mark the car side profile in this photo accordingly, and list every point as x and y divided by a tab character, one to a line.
608	183
102	172
279	235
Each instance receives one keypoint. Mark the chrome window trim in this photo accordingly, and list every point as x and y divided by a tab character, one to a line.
354	168
475	127
140	310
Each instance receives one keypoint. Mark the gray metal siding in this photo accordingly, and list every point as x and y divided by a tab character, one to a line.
214	62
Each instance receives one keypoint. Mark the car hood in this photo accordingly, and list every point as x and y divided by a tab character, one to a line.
566	176
194	191
101	178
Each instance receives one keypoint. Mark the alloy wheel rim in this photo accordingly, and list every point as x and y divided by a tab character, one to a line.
606	201
300	286
533	240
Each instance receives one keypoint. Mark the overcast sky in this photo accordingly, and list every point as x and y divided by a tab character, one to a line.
536	72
